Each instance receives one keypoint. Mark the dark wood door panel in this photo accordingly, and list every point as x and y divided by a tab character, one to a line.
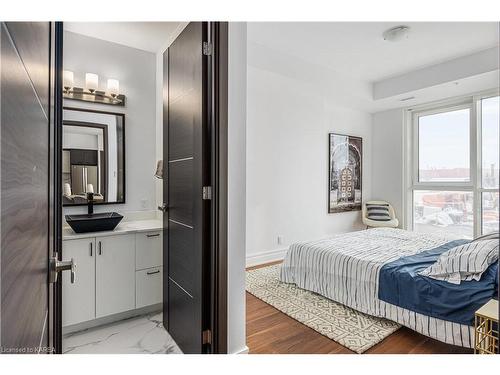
181	191
24	205
184	313
32	41
185	62
187	157
183	119
182	256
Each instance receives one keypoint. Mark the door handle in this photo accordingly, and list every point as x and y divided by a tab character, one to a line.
152	272
57	266
153	235
163	207
100	248
91	246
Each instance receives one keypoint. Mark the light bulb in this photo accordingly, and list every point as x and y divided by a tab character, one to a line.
68	79
113	87
91	81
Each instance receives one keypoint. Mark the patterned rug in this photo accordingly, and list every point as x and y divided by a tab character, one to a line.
350	328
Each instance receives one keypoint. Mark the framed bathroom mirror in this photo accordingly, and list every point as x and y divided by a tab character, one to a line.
93	159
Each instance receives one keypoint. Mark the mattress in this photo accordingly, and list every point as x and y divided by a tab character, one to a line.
346	269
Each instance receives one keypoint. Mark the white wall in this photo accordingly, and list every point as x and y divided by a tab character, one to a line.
387	159
288	121
136	71
237	61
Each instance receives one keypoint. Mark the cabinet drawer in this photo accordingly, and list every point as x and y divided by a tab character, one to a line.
148	247
148	286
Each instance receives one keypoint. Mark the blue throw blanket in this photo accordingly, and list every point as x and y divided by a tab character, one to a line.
401	285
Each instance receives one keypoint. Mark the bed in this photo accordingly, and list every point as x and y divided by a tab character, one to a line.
376	271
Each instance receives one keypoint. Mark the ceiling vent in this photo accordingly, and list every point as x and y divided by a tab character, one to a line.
406	99
397	33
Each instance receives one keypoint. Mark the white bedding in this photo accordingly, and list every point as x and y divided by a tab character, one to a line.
345	268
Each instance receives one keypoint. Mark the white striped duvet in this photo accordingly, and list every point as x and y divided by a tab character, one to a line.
345	268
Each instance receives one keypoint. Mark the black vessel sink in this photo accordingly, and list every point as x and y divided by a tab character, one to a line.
94	222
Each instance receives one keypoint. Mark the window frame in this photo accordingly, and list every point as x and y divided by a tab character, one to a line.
411	173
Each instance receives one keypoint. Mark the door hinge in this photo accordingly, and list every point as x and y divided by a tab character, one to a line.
207	48
207	337
207	192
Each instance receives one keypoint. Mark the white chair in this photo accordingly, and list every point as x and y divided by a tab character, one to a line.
392	223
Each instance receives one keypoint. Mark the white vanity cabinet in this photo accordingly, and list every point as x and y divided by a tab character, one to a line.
115	278
149	252
79	298
149	286
114	274
149	268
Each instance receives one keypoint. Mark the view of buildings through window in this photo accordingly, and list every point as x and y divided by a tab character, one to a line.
450	194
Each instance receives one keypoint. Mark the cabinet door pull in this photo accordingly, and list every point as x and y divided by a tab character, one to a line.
100	248
91	246
153	235
152	272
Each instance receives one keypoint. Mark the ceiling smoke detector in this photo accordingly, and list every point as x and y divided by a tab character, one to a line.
397	33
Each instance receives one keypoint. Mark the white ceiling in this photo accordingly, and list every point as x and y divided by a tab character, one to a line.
354	52
357	48
147	36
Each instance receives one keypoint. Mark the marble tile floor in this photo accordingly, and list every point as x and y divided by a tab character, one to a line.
139	335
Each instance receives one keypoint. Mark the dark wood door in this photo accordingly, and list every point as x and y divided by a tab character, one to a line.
27	212
187	171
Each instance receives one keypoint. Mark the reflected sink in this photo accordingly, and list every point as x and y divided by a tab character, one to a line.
93	222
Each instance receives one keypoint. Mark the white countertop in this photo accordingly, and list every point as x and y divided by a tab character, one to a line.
125	227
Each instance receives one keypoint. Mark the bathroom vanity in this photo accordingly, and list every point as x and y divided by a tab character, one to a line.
118	274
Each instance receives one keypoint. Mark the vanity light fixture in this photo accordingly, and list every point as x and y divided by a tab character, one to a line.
68	80
91	82
91	91
113	87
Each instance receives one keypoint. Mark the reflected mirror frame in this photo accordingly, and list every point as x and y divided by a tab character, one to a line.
122	115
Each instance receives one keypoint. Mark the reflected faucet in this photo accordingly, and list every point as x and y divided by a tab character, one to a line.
90	203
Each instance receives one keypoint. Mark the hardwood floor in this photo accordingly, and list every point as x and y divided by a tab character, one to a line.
269	331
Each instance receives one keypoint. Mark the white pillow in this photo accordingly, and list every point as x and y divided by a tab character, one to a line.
464	262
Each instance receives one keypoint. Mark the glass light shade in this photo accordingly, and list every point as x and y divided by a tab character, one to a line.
91	81
68	78
113	86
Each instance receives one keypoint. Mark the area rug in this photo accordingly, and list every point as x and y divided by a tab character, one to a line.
350	328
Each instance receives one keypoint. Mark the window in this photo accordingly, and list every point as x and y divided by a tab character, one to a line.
490	120
455	168
490	156
443	146
437	210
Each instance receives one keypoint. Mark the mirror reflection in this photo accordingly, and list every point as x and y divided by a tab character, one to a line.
93	156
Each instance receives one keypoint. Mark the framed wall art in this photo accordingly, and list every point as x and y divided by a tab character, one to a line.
345	173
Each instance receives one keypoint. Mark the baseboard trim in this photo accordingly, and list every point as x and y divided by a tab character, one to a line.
265	257
111	319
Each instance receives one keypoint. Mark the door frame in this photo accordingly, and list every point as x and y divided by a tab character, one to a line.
218	71
217	279
55	289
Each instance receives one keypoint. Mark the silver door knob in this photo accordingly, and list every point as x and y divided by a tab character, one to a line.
57	266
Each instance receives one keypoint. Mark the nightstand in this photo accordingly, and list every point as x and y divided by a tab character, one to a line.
486	329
